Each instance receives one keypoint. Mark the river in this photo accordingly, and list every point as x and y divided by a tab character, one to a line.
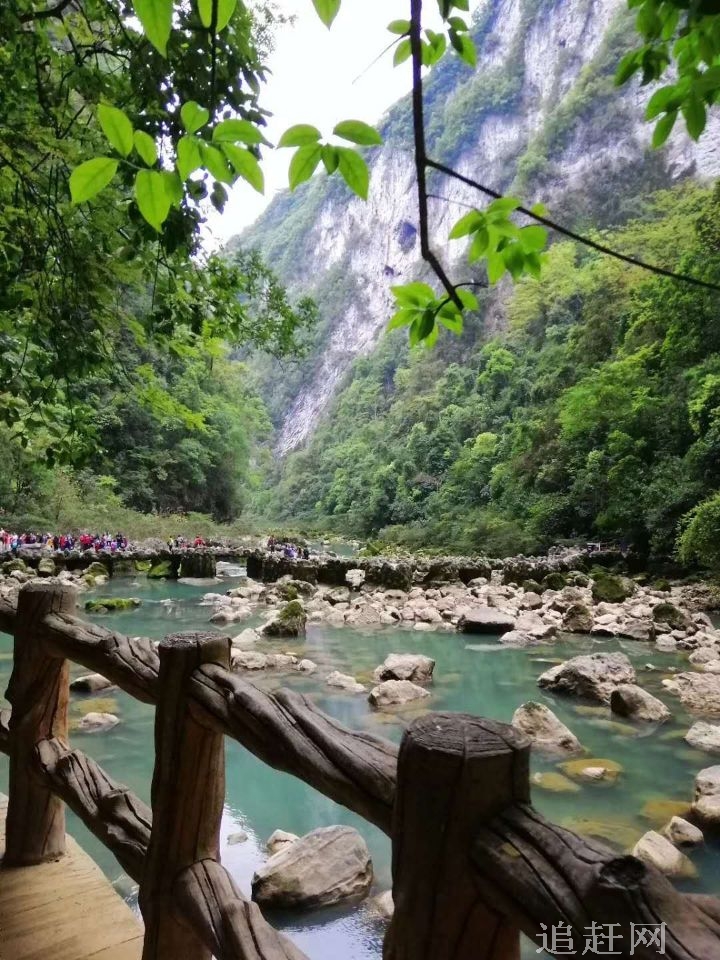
476	675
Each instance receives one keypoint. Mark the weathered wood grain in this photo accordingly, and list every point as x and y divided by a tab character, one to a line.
38	691
454	772
231	927
188	793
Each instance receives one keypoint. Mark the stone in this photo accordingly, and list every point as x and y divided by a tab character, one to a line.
393	693
46	568
546	731
111	604
239	837
660	809
554	782
289	621
231	614
629	700
249	660
655	849
163	569
699	692
97	722
405	666
281	661
706	804
383	905
553	581
610	589
592	770
278	840
486	620
704	736
534	624
345	682
327	866
355	579
16	565
306	666
198	565
531	600
90	683
577	619
593	675
246	638
516	638
338	595
682	833
97	569
619	833
668	613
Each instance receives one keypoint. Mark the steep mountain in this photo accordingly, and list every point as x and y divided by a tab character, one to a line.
539	116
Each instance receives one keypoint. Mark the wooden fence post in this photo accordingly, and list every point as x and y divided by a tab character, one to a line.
188	792
39	692
455	772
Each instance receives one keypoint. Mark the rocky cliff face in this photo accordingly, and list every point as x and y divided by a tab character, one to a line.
540	116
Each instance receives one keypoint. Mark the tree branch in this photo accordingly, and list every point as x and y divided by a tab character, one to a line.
56	11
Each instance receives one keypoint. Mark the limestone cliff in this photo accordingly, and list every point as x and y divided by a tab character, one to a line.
540	116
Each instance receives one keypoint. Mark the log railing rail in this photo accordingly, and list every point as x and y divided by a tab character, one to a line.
473	863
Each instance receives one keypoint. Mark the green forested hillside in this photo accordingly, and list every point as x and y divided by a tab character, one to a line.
597	414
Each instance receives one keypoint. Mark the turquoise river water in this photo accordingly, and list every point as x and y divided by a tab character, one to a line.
476	675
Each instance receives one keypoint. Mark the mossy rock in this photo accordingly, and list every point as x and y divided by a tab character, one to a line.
143	566
79	708
578	579
610	589
10	566
288	591
668	613
531	586
110	604
662	586
46	568
554	581
660	810
575	768
289	622
162	570
554	782
619	833
97	569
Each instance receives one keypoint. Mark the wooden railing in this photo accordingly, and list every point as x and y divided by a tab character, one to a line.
473	863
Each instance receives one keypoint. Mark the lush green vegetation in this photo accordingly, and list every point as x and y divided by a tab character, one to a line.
596	415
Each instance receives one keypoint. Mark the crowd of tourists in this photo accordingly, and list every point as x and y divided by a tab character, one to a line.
11	542
183	543
289	550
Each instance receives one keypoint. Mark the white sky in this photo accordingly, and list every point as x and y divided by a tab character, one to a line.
313	80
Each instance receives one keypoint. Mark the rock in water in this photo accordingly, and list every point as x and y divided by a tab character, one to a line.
656	850
345	682
702	736
548	733
97	722
593	675
629	700
610	589
682	833
90	683
393	693
578	619
384	905
198	565
699	692
355	579
278	840
110	604
405	666
706	805
330	865
486	620
289	622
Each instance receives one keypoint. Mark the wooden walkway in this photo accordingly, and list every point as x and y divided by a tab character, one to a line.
64	910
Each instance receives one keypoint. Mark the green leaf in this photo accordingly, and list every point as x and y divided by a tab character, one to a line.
467	50
402	318
659	102
468	299
303	164
695	116
152	197
300	135
503	205
117	128
145	146
232	131
87	180
467	224
413	294
401	27
216	163
245	165
539	209
156	19
514	260
193	116
327	10
629	64
354	171
451	318
225	10
330	158
663	128
495	266
173	187
402	52
533	238
358	132
205	12
188	156
478	248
